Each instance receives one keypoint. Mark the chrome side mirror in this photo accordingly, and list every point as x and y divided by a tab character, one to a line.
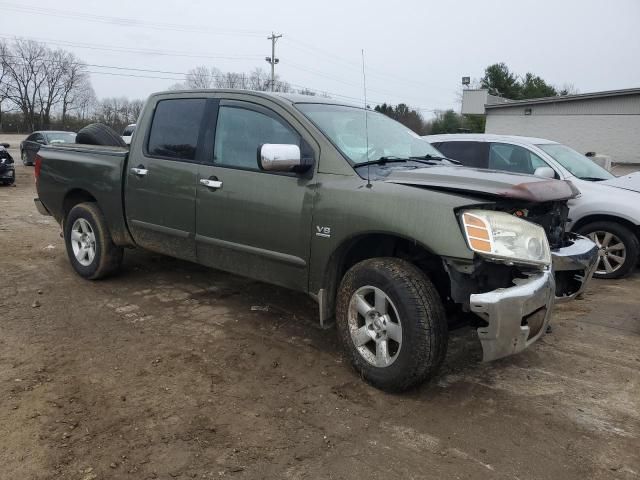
279	157
545	172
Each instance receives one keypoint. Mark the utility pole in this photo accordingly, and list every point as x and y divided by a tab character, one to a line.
272	59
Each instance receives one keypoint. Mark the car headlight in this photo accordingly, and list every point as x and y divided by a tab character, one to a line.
502	236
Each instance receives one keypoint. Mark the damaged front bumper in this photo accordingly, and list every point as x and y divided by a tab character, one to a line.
516	316
574	265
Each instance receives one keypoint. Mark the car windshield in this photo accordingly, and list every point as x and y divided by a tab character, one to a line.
128	131
347	130
577	164
61	137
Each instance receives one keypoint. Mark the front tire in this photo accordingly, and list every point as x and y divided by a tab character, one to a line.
618	248
25	158
90	249
391	323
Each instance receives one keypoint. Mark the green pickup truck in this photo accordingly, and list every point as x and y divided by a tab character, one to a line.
347	205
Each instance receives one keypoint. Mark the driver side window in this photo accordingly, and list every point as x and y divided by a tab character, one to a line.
241	131
513	158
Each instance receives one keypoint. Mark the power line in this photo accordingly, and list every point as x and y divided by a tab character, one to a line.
169	53
125	21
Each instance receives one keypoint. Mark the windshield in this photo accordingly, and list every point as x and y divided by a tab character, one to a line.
345	127
128	131
61	137
578	165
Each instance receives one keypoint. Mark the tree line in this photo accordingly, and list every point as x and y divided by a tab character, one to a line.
45	89
498	80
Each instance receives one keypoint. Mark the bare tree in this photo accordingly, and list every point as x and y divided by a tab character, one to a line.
75	84
199	78
25	64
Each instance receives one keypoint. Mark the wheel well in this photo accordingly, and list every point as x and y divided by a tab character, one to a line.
73	198
606	218
375	245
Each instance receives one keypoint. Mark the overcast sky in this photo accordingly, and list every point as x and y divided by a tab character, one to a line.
416	51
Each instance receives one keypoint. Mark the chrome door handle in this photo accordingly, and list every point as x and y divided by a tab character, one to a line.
211	183
140	171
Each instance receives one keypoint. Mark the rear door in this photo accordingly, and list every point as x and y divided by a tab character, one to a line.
471	154
251	222
160	192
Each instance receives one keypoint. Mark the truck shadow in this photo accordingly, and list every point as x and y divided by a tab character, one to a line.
293	313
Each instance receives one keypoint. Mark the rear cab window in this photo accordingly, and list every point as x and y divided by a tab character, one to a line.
175	129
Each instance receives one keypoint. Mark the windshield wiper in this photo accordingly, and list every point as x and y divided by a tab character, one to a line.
428	156
592	179
383	160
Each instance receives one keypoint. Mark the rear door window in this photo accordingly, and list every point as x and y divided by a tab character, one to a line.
175	128
514	158
471	154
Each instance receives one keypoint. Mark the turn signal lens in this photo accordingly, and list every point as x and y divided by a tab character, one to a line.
477	232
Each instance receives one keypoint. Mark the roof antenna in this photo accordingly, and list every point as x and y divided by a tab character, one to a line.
366	120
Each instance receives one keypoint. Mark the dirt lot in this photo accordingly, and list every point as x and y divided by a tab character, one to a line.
166	371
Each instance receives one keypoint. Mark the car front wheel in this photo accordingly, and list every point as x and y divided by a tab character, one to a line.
25	157
391	323
618	248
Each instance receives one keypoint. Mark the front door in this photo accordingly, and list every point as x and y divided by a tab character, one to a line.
251	222
162	176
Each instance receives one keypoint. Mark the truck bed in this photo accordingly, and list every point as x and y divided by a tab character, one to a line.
85	171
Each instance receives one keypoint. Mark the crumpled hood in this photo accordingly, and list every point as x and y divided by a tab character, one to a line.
628	182
485	182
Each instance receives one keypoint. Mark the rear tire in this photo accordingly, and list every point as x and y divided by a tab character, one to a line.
610	237
99	134
25	158
90	249
403	347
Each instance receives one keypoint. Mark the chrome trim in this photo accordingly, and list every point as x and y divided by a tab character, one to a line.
504	310
279	157
211	183
580	255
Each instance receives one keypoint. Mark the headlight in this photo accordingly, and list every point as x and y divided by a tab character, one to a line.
502	236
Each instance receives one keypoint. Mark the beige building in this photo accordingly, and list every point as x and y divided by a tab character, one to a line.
607	123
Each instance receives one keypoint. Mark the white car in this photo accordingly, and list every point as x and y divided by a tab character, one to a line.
607	209
128	133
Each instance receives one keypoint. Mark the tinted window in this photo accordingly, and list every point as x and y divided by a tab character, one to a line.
175	128
513	158
471	154
240	132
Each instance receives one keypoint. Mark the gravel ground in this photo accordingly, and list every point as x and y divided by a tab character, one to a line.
169	371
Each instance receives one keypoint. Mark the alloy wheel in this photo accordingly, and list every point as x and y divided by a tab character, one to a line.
83	242
611	252
375	327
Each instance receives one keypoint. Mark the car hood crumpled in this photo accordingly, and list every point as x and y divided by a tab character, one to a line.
485	182
628	182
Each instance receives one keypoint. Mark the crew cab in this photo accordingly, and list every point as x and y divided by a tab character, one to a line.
333	200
